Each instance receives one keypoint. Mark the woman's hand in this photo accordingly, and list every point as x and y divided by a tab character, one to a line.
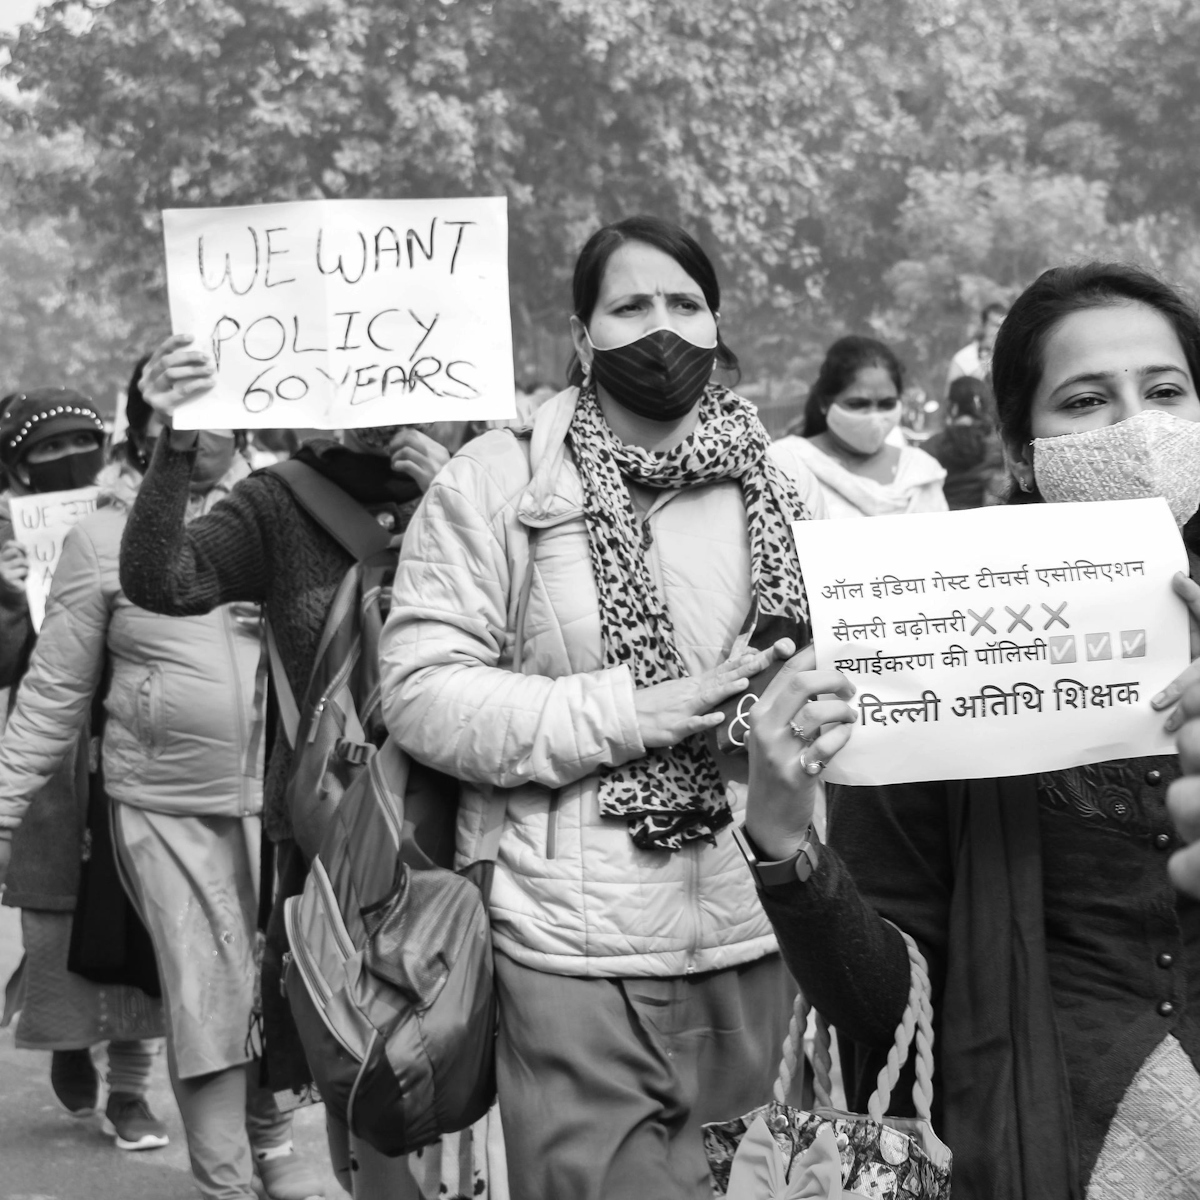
669	712
785	766
14	566
176	374
1183	796
417	455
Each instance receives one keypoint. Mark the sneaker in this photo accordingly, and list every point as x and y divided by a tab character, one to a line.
286	1176
128	1118
75	1081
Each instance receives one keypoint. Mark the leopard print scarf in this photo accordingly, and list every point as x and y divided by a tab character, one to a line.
673	796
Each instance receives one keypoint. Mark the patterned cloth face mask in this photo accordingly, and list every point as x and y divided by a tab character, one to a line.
1152	454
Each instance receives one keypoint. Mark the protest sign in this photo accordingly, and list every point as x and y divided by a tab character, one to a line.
338	314
40	523
999	641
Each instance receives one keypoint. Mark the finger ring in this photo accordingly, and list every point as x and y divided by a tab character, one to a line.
812	768
806	738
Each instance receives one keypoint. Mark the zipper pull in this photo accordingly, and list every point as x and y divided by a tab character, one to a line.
315	720
284	966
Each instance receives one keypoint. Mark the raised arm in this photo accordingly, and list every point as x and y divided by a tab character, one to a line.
184	570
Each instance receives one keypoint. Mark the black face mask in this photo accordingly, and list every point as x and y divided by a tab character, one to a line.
66	473
661	376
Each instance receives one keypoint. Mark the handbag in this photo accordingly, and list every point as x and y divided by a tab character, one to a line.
109	943
778	1152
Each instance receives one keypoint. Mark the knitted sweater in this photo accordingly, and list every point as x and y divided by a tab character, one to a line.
257	545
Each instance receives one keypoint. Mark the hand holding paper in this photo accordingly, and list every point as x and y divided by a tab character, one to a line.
784	785
14	566
178	372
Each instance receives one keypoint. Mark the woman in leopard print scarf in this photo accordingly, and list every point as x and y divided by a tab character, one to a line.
615	556
675	794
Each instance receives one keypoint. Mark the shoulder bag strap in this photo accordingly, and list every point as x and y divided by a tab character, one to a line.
334	509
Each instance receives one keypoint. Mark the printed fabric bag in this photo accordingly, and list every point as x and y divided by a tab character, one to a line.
778	1152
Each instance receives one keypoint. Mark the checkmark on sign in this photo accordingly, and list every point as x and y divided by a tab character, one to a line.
1062	648
1099	646
1133	643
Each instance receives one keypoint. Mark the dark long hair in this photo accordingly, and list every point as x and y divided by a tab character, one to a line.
673	241
843	361
1019	357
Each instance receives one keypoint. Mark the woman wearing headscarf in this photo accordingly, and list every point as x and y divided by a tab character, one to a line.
52	440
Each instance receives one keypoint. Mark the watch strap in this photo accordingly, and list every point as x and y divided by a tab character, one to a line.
783	872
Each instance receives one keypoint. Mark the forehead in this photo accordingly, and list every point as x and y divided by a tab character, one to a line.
871	383
636	267
1115	339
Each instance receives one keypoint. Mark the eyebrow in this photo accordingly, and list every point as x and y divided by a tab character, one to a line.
1104	376
650	296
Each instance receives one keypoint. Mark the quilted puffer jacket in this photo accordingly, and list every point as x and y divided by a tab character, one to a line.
572	895
182	735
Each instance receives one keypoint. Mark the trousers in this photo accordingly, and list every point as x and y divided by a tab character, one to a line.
604	1083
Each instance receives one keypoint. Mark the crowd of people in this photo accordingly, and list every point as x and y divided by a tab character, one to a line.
576	602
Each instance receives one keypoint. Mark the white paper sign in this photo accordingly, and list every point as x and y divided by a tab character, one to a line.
999	641
40	523
338	314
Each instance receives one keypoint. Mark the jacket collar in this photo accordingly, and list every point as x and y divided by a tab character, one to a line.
554	493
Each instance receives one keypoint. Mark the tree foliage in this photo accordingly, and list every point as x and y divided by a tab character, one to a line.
849	165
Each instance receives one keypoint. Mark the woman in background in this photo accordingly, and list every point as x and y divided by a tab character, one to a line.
969	447
852	409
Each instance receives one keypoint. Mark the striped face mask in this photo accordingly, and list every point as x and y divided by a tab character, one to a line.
1151	454
660	376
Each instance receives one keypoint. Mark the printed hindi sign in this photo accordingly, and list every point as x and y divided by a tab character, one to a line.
338	314
999	641
40	523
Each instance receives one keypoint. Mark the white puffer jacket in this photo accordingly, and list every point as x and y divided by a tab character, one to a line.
572	894
183	734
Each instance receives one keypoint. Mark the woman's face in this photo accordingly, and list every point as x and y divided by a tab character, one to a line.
871	390
644	289
79	442
1105	365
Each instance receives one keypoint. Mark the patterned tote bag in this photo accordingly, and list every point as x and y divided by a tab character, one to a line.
778	1152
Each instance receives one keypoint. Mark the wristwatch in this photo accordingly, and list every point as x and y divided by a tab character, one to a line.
783	871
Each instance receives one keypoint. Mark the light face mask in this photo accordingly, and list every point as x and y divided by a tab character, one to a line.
862	431
1152	454
660	375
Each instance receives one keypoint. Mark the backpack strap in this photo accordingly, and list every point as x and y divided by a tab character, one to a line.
333	508
350	525
289	710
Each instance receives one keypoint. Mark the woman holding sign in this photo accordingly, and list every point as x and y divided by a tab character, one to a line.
629	537
52	441
1065	965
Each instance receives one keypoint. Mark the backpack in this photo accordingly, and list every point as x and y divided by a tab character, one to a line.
389	975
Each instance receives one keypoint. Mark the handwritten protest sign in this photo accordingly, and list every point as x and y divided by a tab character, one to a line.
40	524
1001	641
337	314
